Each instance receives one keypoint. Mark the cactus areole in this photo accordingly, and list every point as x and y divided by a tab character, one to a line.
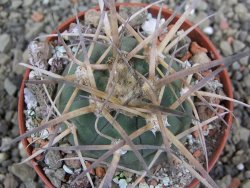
125	81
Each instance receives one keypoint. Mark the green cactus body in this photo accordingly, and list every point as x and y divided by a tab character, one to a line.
87	134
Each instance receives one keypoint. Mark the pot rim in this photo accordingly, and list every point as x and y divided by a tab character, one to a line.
198	36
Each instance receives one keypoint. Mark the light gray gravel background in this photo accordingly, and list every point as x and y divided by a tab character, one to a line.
22	20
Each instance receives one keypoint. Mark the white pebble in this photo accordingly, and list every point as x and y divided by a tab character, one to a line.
44	133
45	2
190	139
208	30
187	6
149	25
67	170
240	166
159	186
116	180
166	181
143	185
30	99
123	183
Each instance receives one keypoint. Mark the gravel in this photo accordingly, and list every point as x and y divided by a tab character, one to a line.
238	46
9	87
5	42
23	172
10	181
52	159
226	48
4	58
229	30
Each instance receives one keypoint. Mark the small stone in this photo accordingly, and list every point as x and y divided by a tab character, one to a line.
149	26
247	174
16	4
51	174
225	181
166	181
22	151
6	143
195	48
143	185
72	163
240	157
67	169
232	2
236	66
9	115
246	184
9	87
83	182
28	3
10	181
244	61
247	81
200	16
241	10
226	48
224	24
26	56
100	172
238	75
202	5
2	2
60	174
126	12
65	145
33	31
4	126
197	154
5	42
37	16
23	172
235	183
248	38
200	58
64	3
242	145
208	30
14	16
52	159
238	45
240	167
2	177
92	17
30	184
241	133
4	59
153	182
3	157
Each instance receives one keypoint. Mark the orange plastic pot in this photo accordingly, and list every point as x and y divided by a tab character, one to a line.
195	35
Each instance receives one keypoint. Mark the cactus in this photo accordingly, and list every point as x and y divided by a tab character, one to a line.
87	134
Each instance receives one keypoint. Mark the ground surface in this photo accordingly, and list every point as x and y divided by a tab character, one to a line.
21	20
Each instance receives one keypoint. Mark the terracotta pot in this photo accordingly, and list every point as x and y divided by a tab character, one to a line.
195	35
